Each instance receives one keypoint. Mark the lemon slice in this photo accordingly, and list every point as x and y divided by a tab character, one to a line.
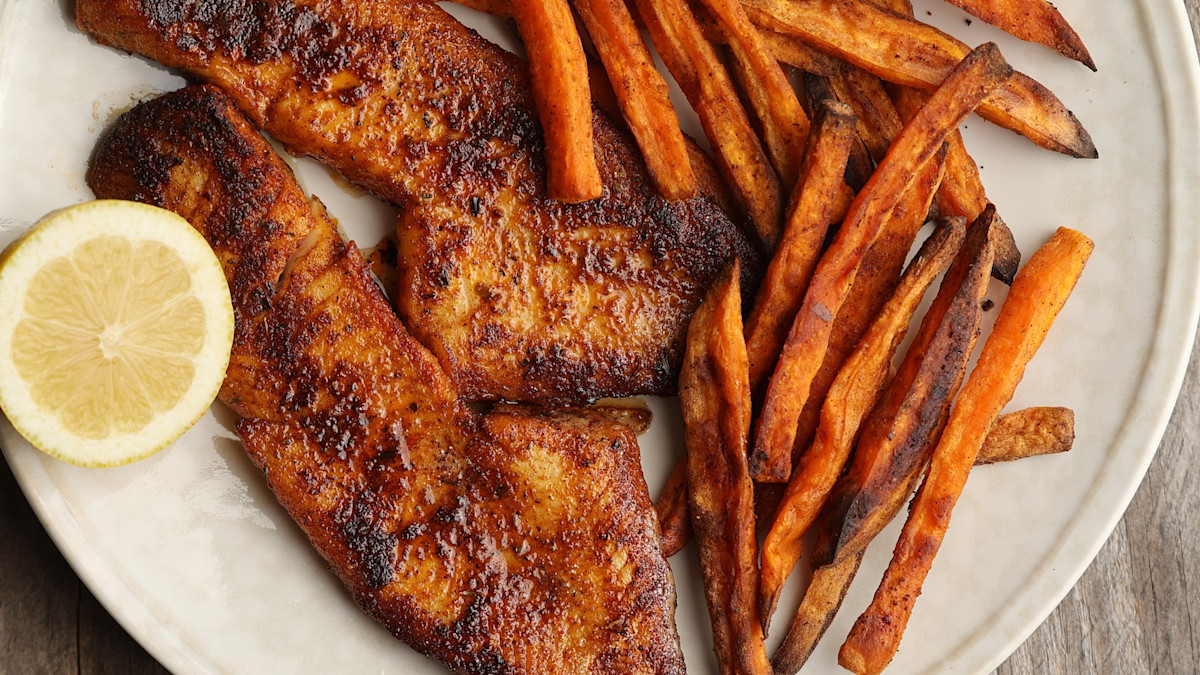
115	331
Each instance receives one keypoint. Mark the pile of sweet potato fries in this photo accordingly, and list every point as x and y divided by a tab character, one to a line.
793	409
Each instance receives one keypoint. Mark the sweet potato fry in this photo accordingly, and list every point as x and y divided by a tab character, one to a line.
789	388
642	95
558	72
810	213
795	53
1023	433
1020	436
785	48
705	82
860	165
853	395
816	611
715	398
873	285
784	145
1026	433
1033	21
1037	295
961	192
900	433
878	120
672	510
785	126
902	50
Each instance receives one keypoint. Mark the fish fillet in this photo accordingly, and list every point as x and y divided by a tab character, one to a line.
521	541
519	296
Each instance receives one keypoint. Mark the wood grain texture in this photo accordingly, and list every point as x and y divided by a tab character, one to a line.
1136	609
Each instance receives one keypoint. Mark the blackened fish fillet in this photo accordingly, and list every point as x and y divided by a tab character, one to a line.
519	296
521	541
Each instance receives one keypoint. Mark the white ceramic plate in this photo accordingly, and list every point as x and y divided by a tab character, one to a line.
193	556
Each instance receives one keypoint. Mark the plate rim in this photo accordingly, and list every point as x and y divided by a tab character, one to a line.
1164	372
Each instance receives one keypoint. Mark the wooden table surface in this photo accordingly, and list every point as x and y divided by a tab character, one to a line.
1133	611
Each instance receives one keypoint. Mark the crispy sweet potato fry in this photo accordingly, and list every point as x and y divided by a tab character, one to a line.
785	126
853	395
672	510
901	431
642	95
783	143
961	192
816	611
706	84
902	50
1038	293
1019	437
795	53
810	213
1023	433
1026	433
789	388
1033	21
860	164
558	72
878	121
785	48
715	397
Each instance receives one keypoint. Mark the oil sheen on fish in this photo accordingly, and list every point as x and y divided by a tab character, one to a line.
520	297
520	541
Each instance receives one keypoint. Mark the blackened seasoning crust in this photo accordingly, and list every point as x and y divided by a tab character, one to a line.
522	541
519	296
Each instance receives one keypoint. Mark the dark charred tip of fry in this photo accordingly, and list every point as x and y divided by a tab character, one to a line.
993	67
1070	45
1008	256
1081	55
832	111
1082	146
766	608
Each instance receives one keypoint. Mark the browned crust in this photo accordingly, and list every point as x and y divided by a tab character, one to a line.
408	103
457	531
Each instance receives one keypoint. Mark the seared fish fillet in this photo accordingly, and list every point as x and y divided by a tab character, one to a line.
522	541
519	296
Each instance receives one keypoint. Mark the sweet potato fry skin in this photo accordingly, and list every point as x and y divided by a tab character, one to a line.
852	396
715	397
860	165
961	192
1026	433
789	388
785	126
793	52
878	121
1033	21
785	48
1020	434
810	213
1036	297
873	285
901	431
901	50
672	510
642	95
558	70
820	604
739	155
